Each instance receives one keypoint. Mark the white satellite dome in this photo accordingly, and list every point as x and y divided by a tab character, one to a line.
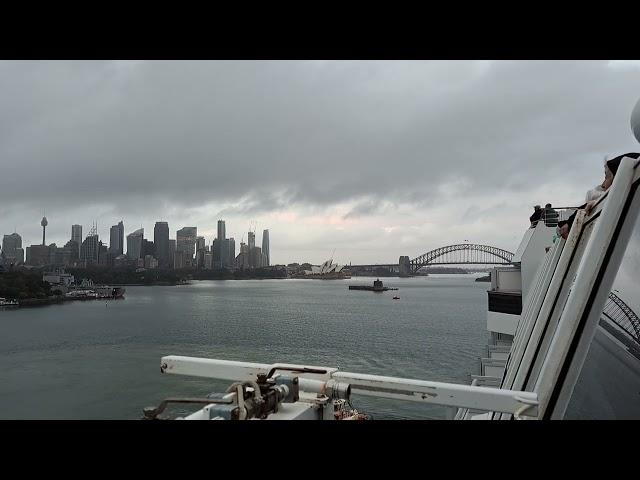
635	121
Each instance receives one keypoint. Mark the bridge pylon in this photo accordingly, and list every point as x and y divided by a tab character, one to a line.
404	265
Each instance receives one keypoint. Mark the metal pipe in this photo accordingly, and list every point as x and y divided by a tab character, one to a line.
438	393
151	413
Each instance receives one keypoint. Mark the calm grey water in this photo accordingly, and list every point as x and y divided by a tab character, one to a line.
91	360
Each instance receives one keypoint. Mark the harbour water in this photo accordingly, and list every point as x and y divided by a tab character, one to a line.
100	360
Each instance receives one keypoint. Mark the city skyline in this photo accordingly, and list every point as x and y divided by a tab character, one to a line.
190	247
372	159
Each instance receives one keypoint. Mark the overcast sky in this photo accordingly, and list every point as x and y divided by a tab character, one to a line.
371	159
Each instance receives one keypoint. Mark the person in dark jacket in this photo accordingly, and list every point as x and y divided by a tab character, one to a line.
610	170
537	215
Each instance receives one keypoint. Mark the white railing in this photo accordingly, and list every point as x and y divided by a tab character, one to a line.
437	393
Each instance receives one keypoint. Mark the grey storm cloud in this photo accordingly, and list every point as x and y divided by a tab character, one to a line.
264	135
320	131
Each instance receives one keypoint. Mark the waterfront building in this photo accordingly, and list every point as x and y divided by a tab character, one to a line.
134	244
161	240
12	249
150	262
251	240
39	255
58	277
121	261
186	243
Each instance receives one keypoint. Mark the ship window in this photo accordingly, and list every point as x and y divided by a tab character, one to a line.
609	383
556	313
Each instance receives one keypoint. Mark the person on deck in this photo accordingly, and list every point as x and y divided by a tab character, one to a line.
537	215
593	195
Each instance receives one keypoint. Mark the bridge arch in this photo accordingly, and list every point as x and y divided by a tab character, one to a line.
622	315
469	253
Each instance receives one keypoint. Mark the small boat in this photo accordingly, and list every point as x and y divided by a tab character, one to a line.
8	303
396	298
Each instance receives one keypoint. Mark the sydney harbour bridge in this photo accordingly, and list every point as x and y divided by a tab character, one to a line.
615	310
461	254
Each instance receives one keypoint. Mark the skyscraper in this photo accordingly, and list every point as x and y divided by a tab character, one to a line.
201	249
186	243
231	247
148	248
76	234
172	253
89	250
254	258
221	230
265	247
116	239
134	244
161	241
221	247
200	244
12	249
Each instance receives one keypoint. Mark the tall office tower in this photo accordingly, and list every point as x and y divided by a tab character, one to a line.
215	250
116	239
251	240
231	247
90	249
255	257
242	260
179	259
221	230
12	249
186	243
220	247
208	261
134	244
44	224
72	252
76	234
172	253
148	248
200	244
161	241
265	248
121	237
104	258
